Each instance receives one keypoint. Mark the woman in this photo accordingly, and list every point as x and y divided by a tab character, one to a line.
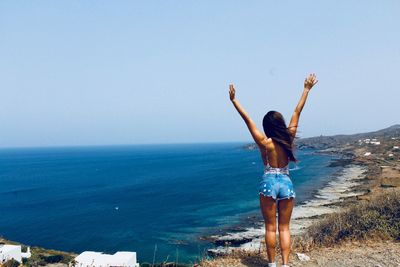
276	188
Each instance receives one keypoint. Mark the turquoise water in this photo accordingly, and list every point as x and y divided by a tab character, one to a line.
135	198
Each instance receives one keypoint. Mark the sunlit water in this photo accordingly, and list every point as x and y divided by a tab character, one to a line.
136	198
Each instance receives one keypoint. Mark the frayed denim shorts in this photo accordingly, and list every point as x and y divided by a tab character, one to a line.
276	185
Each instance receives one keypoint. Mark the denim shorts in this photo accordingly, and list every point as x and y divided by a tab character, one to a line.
276	185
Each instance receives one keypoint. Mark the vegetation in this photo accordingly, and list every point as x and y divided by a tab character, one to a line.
42	257
377	218
10	263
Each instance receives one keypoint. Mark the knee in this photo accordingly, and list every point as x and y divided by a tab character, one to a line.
270	227
283	228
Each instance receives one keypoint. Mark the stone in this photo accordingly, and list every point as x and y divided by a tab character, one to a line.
303	257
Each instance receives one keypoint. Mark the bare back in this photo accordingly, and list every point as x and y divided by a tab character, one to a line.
273	154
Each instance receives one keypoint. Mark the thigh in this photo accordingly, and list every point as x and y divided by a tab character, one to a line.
268	209
285	208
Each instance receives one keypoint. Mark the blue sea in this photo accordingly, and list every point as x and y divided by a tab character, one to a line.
153	199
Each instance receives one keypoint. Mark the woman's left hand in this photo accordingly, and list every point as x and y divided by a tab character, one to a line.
231	92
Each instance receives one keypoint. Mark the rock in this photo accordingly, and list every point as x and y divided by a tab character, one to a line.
232	241
364	197
340	162
390	182
303	257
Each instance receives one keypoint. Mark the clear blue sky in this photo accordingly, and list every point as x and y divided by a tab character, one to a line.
132	72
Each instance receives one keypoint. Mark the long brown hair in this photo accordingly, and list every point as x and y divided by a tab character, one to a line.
275	128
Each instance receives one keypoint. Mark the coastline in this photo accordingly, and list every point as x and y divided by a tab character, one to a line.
247	236
360	177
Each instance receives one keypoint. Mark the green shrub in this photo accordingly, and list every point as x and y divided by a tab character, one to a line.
52	258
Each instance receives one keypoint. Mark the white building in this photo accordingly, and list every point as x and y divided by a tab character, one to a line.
8	252
98	259
26	254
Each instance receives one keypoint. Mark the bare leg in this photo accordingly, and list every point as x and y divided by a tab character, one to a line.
268	210
285	207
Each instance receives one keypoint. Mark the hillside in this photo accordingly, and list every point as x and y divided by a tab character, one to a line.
339	142
325	142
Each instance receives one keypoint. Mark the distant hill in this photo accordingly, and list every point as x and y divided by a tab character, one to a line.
324	142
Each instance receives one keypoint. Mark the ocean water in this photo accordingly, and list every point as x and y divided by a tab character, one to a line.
153	199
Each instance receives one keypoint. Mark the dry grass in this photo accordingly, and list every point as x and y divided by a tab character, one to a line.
237	258
378	218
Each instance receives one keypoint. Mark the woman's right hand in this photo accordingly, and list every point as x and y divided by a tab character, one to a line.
231	92
310	81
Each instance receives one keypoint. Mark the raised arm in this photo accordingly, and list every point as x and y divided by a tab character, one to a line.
255	133
309	82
